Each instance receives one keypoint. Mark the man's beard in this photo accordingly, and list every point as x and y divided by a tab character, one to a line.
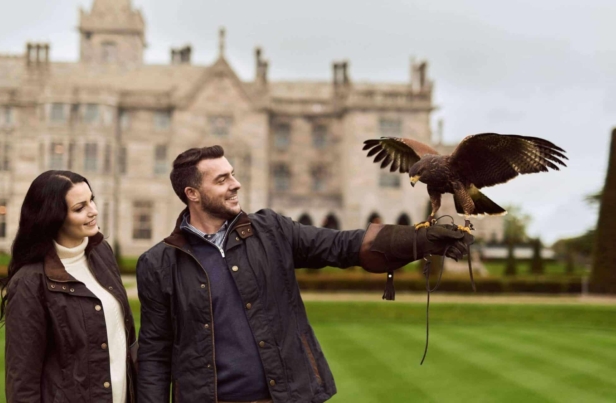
217	208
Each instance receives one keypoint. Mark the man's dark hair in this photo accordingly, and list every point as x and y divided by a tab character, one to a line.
185	173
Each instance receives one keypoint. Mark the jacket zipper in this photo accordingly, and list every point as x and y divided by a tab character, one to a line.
211	312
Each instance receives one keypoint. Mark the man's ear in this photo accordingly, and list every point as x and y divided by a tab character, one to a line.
192	194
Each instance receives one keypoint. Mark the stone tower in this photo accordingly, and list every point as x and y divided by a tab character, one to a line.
112	33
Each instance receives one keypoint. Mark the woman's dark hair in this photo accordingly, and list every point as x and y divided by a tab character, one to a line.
185	172
42	215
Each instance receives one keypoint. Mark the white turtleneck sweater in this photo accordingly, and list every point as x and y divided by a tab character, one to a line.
76	264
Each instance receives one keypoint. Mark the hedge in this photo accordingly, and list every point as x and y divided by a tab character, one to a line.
570	285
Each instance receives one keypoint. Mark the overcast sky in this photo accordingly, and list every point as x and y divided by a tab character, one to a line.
544	68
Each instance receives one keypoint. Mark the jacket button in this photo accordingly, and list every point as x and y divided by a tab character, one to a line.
104	346
237	238
53	286
248	305
248	230
235	268
72	290
64	287
209	365
202	285
110	287
272	382
97	308
106	385
262	344
207	326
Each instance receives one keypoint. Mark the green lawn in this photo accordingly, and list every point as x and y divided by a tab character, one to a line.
478	353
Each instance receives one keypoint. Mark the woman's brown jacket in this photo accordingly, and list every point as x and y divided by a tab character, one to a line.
56	338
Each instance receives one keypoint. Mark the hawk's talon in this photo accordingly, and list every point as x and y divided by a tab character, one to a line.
466	229
424	224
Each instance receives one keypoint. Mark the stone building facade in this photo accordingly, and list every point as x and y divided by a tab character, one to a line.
296	146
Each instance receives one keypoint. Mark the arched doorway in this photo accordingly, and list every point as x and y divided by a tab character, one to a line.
404	219
375	218
305	219
331	222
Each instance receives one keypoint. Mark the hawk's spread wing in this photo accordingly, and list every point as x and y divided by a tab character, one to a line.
488	159
400	153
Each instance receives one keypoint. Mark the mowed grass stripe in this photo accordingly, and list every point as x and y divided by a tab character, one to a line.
353	380
401	347
581	371
575	344
547	378
381	381
470	378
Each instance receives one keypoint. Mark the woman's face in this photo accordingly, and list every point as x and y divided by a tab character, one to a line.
80	219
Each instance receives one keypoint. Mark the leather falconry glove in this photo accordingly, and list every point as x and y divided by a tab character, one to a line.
389	247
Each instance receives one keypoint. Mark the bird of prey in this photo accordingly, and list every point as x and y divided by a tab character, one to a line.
479	161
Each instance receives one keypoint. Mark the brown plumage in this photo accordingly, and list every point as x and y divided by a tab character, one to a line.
479	161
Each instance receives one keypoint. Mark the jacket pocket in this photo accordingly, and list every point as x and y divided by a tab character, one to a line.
311	359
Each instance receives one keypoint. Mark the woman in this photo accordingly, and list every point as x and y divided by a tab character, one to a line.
69	327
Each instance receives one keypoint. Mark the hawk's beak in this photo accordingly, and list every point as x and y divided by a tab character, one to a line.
414	180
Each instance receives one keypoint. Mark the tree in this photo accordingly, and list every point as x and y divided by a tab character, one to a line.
603	275
515	224
536	264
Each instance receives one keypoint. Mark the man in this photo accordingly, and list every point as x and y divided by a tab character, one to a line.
222	319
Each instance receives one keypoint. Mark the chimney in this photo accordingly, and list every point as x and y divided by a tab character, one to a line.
419	77
181	55
37	54
261	67
341	73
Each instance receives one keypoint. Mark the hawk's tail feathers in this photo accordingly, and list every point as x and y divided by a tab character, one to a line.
483	205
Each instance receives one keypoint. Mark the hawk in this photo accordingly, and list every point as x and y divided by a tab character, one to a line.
479	161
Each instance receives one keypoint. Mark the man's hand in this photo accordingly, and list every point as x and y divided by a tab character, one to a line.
439	237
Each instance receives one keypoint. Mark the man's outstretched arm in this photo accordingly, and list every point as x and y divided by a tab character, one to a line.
155	335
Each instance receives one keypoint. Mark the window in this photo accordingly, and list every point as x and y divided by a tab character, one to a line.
71	156
109	52
319	181
389	180
282	136
90	114
390	127
5	156
6	116
124	119
107	159
122	160
282	177
90	162
142	220
319	136
162	120
160	160
220	126
2	218
58	114
56	155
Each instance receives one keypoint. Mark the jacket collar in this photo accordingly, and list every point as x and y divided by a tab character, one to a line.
178	238
55	270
